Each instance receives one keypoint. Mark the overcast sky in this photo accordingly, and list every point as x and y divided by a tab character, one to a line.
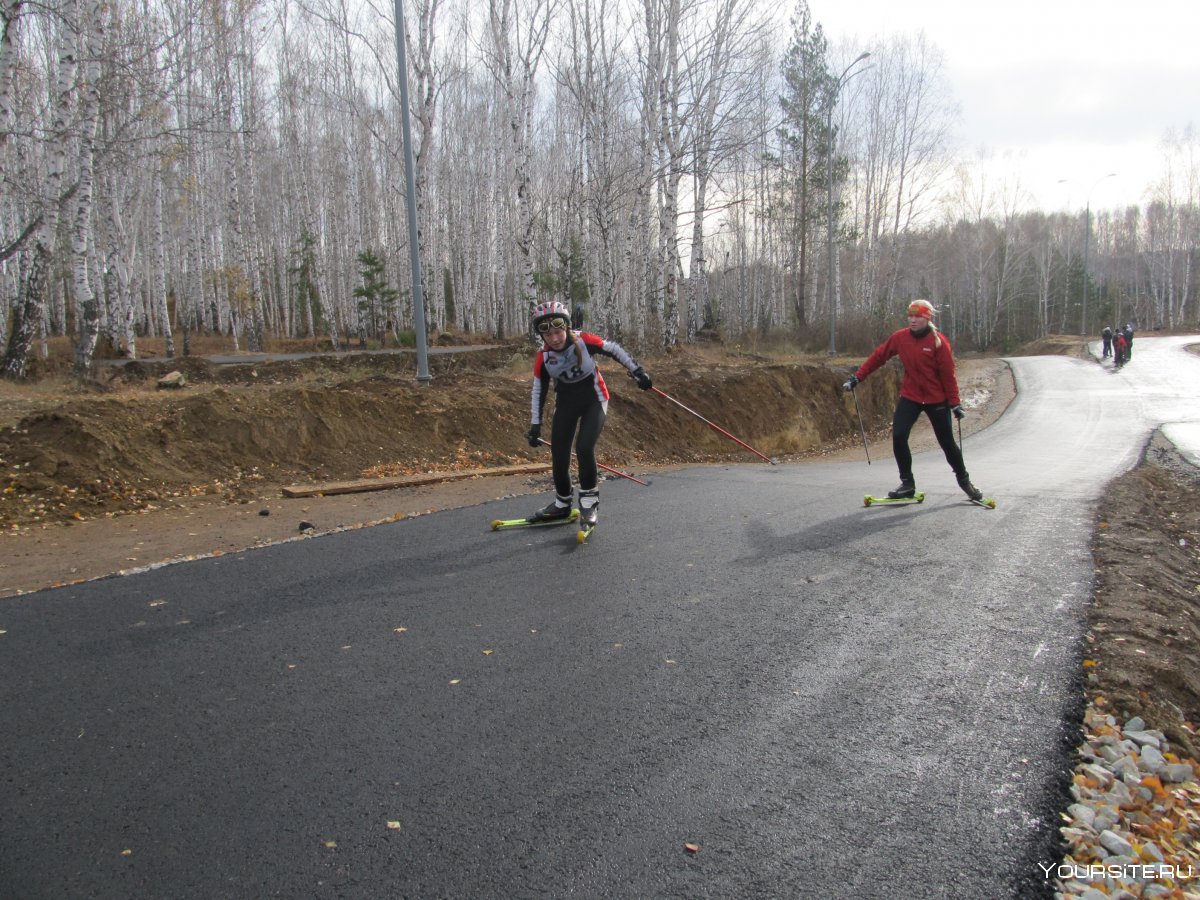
1055	89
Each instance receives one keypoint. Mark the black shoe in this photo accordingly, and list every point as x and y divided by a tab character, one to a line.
588	512
552	512
969	489
908	488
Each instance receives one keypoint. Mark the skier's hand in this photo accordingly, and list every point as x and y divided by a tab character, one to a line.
851	384
642	377
958	413
534	435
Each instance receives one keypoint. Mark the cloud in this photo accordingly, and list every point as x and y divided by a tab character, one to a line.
1102	103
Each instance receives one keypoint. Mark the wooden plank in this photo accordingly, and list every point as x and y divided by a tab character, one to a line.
400	481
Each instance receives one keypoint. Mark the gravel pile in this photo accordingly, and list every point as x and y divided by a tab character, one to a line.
1133	830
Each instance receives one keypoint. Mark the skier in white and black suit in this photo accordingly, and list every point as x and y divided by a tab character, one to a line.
580	406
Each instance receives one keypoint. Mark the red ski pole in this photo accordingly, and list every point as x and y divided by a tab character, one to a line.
716	428
607	468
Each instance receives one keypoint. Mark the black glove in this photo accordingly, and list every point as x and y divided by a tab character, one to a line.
958	413
534	435
642	377
851	384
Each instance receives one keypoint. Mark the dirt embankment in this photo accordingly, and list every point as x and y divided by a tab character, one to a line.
239	432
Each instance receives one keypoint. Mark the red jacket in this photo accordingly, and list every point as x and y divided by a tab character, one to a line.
928	366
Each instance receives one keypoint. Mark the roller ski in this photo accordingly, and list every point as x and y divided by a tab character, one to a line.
915	497
906	493
975	495
589	509
551	514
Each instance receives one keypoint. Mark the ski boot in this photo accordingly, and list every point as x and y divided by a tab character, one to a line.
907	490
589	510
969	489
560	508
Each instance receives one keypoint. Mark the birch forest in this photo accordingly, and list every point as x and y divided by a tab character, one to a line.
235	168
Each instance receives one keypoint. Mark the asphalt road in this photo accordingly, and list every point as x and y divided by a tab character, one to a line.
824	700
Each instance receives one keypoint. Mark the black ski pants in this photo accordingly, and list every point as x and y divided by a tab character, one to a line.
578	418
906	415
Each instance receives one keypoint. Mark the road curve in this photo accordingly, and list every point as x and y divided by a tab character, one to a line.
746	684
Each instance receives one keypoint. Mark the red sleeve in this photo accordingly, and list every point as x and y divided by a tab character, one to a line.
882	354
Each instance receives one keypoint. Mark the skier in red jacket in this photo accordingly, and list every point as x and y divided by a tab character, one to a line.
929	385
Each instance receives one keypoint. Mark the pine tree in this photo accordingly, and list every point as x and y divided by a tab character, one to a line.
376	298
806	139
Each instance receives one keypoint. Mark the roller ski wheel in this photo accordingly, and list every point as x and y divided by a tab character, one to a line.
501	524
986	502
918	497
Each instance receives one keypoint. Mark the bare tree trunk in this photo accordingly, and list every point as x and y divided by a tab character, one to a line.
90	313
516	50
27	315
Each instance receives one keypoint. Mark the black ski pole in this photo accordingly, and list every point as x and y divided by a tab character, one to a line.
861	429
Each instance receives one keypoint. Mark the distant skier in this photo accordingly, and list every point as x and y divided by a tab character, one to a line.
1107	335
580	406
1120	349
1128	341
929	385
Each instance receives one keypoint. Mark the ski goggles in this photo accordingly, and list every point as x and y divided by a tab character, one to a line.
552	323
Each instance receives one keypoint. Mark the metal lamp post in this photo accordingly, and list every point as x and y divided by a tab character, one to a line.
1087	239
837	89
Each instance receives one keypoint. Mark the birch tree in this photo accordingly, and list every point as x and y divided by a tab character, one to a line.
518	31
39	225
901	133
664	86
720	82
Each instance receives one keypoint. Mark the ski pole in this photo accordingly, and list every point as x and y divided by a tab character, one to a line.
861	428
716	428
606	468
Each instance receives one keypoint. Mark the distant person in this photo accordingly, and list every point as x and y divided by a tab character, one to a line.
1107	334
930	386
1119	349
1128	341
580	406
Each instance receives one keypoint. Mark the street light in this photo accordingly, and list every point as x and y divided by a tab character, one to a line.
837	89
1087	239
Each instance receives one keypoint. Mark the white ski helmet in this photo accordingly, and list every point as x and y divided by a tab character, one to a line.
551	309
